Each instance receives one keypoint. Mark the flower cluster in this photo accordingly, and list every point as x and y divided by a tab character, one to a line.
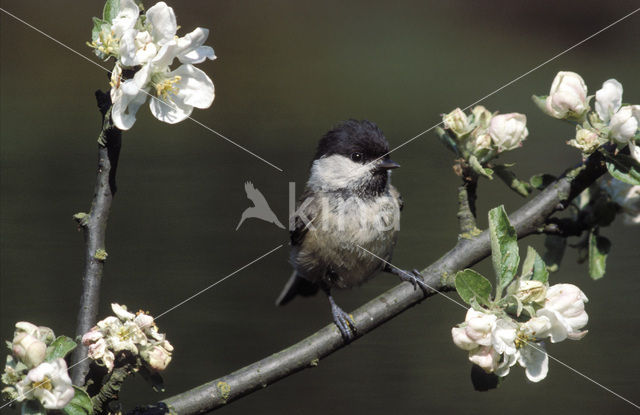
626	196
128	332
148	44
27	373
610	122
496	340
483	134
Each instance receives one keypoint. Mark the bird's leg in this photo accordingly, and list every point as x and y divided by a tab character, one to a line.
344	321
414	277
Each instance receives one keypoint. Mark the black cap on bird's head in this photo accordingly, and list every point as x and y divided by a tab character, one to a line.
361	141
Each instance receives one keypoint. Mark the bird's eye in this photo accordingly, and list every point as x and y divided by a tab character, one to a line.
357	157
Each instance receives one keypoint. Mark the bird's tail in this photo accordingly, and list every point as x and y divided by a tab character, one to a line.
296	286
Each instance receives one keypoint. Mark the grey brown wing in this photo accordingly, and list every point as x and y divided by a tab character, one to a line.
306	212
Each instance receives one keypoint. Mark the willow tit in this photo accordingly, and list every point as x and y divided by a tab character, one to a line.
348	204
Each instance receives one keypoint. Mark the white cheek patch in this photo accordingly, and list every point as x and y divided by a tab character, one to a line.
338	172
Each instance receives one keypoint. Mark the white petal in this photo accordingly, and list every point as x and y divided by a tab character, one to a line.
163	22
127	104
198	55
126	17
608	99
127	48
191	49
195	87
170	112
534	358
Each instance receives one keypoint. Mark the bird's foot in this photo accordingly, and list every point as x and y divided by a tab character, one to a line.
413	277
344	321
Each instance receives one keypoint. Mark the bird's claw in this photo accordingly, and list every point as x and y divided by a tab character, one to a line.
345	323
415	278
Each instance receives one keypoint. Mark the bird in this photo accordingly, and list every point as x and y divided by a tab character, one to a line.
260	208
348	207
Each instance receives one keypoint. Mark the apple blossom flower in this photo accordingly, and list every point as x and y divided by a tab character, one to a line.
158	356
30	342
479	326
536	327
134	333
28	349
486	357
531	291
624	124
49	383
608	99
564	307
568	96
508	130
106	42
481	116
481	141
457	121
174	93
626	196
586	140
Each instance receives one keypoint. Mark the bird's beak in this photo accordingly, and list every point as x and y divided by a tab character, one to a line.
387	164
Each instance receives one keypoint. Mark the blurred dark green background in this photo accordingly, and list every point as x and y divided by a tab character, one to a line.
286	72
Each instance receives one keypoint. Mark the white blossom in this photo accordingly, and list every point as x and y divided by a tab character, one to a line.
457	121
624	123
508	130
128	332
486	357
49	383
568	96
108	40
481	116
586	140
608	99
531	291
564	307
29	349
175	93
479	326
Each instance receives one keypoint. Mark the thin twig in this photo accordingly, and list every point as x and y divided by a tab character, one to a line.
305	354
94	225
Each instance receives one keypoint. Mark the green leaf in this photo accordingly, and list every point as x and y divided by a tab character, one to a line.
599	248
541	181
32	407
534	266
60	348
624	168
97	28
80	404
510	179
111	9
504	248
555	247
477	167
471	285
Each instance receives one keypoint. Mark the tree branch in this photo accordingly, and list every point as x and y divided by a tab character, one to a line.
94	225
527	220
